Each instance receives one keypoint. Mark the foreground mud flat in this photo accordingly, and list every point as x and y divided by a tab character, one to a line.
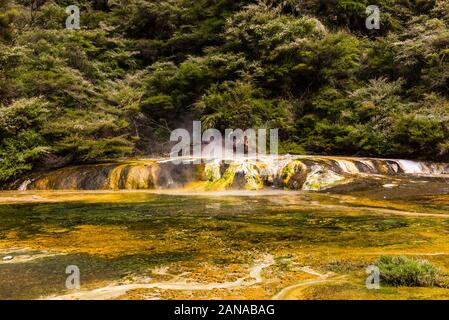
266	244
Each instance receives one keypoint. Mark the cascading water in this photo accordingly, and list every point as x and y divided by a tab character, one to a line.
289	172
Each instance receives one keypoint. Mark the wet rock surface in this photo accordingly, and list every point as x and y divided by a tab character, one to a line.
286	172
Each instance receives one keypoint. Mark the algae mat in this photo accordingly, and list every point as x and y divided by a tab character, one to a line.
235	245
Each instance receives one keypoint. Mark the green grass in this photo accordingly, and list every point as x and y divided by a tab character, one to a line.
402	271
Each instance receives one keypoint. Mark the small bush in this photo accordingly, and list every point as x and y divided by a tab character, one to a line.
402	271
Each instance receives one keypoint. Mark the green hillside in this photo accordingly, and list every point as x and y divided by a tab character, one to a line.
138	69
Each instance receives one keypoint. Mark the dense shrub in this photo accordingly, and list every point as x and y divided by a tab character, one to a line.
138	69
403	271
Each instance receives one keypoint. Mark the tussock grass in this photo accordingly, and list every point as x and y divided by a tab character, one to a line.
403	271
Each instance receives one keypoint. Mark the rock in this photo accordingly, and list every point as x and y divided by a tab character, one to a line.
6	258
212	171
390	185
321	178
294	175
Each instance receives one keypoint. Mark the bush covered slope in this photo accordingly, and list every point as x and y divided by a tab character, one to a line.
139	68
